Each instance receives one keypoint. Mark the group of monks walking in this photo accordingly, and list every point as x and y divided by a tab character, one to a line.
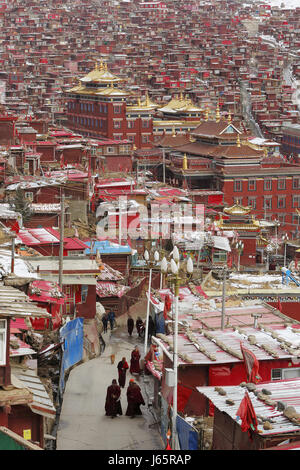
135	398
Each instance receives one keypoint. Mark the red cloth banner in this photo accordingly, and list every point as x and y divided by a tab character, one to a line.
247	414
167	307
251	364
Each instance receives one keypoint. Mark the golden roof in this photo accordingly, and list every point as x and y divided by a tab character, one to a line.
180	105
101	74
237	209
146	105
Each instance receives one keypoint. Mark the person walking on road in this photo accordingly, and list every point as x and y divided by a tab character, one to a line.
130	325
135	361
135	399
104	322
112	402
122	368
139	323
111	319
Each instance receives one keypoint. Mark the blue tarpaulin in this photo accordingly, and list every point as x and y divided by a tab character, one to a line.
187	435
160	323
71	334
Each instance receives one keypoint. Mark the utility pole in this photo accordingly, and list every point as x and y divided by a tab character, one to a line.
164	166
223	298
13	241
61	244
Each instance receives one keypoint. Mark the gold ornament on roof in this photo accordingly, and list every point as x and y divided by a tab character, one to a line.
184	162
147	101
206	114
218	114
229	118
173	132
238	142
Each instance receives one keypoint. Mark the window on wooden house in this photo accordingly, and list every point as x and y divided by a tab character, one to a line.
3	333
296	183
252	185
29	196
238	185
281	183
284	374
268	202
220	257
268	184
252	202
296	200
281	202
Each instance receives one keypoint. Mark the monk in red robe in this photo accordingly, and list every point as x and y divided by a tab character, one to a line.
135	361
122	368
135	399
112	403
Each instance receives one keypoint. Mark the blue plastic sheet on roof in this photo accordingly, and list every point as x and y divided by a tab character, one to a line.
107	247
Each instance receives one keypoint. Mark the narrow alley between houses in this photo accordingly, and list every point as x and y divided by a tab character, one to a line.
83	424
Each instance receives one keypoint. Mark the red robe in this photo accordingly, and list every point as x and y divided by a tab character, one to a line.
122	367
130	326
112	403
135	362
135	400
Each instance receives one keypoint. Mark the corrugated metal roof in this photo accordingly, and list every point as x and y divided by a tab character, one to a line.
15	303
287	391
223	346
42	404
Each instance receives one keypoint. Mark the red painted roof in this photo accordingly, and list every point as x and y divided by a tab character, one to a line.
45	291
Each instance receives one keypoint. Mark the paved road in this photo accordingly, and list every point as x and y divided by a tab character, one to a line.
83	424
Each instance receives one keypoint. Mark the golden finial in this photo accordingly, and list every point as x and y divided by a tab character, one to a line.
181	96
238	142
147	102
139	101
96	66
105	66
173	132
218	113
206	114
184	162
101	65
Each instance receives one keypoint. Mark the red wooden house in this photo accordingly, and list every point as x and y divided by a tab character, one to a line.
21	410
210	356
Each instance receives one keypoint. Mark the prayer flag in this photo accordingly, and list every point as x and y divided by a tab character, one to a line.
251	364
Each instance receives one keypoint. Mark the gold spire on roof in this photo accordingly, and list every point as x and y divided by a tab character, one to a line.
184	162
173	132
181	96
238	142
206	114
218	113
96	66
147	102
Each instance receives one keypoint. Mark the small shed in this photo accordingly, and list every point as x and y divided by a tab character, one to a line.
276	405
